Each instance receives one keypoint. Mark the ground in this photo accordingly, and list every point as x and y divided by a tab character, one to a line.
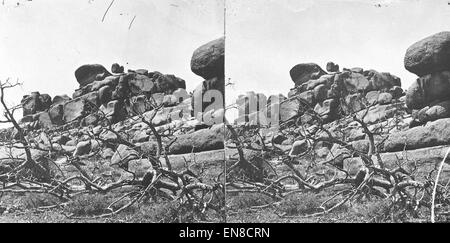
31	207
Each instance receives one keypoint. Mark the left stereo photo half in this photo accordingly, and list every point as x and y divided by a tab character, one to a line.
112	111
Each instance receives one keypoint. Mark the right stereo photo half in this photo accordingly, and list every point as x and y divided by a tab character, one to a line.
337	111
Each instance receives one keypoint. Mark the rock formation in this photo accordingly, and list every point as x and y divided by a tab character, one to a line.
123	99
407	127
208	62
429	96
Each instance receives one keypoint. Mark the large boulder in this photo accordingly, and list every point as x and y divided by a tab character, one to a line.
289	109
82	148
140	84
385	98
299	147
167	84
326	79
422	161
429	55
308	96
332	67
372	97
108	81
80	106
105	94
60	99
353	103
163	116
355	82
432	134
303	72
208	60
88	73
122	90
379	113
141	71
429	88
56	113
320	93
327	110
31	103
44	119
381	80
46	101
115	110
435	112
438	111
116	68
73	109
201	140
139	104
357	70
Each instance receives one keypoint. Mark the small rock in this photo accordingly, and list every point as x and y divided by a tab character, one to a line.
299	147
82	148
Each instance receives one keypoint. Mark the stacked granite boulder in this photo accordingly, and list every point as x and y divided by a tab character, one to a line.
111	94
36	108
428	97
69	122
208	62
339	93
424	143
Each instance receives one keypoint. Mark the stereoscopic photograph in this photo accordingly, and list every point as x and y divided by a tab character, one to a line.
112	111
224	111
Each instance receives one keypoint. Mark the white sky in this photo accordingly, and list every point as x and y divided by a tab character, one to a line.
42	42
266	38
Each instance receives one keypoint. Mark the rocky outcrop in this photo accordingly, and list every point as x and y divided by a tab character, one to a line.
201	140
433	134
338	94
208	60
60	99
116	68
428	96
89	73
332	67
31	104
427	89
303	72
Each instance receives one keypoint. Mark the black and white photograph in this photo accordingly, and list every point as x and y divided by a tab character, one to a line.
98	121
212	113
340	111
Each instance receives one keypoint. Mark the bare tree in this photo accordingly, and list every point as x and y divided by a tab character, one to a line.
400	185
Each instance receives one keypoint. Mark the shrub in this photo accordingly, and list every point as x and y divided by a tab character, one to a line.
89	204
301	203
372	211
36	200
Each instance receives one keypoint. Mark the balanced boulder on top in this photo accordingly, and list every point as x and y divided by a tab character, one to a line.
208	60
429	88
429	55
303	72
88	73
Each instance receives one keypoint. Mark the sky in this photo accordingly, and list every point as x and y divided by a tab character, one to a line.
43	42
266	38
